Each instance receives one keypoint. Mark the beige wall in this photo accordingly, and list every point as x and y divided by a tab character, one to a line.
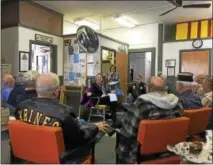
17	39
25	35
171	51
9	47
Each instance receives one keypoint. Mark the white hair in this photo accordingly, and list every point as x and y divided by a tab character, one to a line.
46	84
185	84
29	79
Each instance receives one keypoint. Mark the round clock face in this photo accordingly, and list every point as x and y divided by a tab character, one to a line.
197	43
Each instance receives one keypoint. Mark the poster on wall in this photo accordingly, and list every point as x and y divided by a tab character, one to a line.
74	65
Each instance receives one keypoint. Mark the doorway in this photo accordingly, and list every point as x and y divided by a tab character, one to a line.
195	61
43	57
141	62
108	58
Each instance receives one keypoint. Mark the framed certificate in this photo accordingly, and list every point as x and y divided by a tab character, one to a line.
24	61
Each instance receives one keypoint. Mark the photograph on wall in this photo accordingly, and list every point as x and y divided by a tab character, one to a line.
170	71
24	61
170	63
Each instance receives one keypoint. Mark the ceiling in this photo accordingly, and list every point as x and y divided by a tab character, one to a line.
143	12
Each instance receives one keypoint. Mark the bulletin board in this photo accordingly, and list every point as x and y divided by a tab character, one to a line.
75	64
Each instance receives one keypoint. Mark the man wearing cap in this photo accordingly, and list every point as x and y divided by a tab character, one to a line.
29	81
184	87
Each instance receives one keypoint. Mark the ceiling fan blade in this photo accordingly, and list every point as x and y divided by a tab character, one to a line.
204	5
168	11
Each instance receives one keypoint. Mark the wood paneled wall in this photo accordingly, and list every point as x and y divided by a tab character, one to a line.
9	14
31	15
40	18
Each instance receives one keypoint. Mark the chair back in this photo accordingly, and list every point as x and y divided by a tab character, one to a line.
36	144
199	119
155	135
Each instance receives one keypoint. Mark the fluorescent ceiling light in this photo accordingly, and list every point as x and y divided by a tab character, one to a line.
91	24
125	21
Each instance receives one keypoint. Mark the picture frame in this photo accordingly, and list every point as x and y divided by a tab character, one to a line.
24	61
170	63
170	71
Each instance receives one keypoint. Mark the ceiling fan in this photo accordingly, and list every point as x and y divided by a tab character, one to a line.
178	3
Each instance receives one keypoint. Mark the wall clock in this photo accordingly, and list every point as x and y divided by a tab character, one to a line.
198	43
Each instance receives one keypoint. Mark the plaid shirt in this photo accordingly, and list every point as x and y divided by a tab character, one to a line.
140	110
189	100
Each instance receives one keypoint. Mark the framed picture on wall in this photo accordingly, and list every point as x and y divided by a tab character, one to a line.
170	71
170	63
24	61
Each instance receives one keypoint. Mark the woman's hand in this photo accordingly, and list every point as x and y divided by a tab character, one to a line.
113	91
89	94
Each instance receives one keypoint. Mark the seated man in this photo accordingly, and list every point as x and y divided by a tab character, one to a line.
17	90
46	111
8	84
29	81
136	89
157	104
184	86
206	98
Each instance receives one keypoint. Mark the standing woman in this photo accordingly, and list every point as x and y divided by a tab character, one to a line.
114	80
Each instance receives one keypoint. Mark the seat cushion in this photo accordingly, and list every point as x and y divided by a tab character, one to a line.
101	106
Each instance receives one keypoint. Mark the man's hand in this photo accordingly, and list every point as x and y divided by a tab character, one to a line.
89	94
102	126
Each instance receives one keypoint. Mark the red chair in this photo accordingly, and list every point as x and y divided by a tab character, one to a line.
44	145
199	119
155	135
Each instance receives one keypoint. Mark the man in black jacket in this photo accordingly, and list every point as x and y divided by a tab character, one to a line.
136	89
45	110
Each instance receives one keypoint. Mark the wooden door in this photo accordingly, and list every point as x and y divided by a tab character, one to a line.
196	62
122	69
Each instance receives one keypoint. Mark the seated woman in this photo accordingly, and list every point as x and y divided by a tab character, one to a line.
98	90
207	89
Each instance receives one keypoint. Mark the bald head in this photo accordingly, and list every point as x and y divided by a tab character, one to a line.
47	85
156	84
8	80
